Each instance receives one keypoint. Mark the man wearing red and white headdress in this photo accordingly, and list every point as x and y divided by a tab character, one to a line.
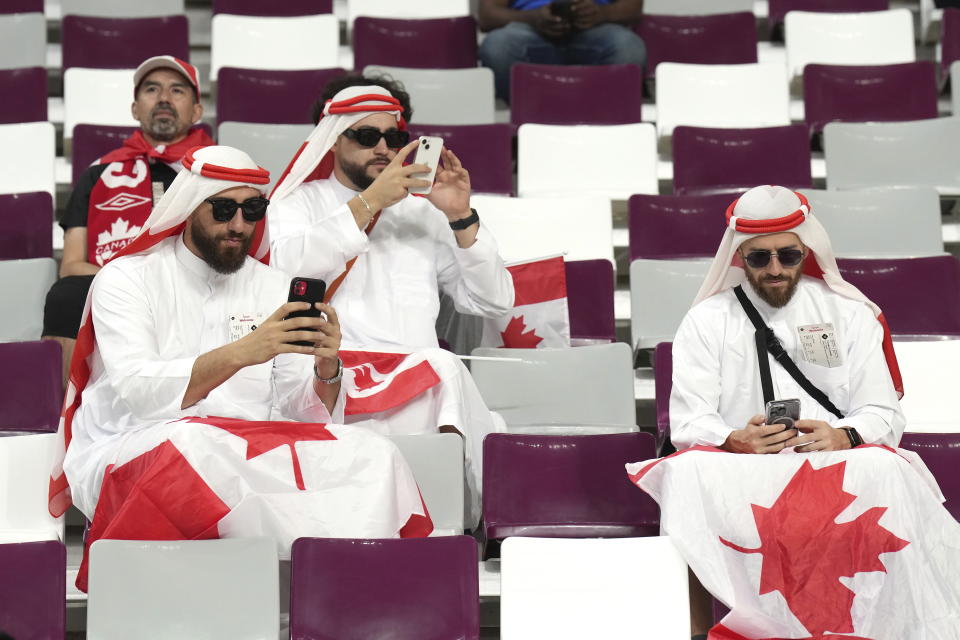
186	382
822	539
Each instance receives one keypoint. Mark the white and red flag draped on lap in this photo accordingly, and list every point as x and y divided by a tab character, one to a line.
846	544
383	381
540	316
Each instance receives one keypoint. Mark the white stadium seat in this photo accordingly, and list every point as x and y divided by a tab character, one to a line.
661	293
28	164
121	8
23	40
25	465
955	86
23	289
97	96
436	460
445	96
696	7
928	369
273	145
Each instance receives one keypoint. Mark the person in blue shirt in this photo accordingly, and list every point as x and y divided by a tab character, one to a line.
557	32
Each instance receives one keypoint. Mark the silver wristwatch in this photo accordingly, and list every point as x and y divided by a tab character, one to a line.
335	379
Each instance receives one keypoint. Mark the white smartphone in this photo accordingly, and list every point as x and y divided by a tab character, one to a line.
428	153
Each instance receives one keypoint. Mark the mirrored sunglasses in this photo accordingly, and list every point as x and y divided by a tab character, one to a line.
370	137
224	208
760	258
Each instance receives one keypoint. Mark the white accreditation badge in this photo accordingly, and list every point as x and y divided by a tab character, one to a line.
819	344
241	324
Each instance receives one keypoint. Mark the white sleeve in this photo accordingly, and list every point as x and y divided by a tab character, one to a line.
695	397
150	387
294	393
311	243
874	410
476	278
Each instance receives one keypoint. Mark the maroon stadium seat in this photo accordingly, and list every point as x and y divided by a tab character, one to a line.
24	95
26	223
31	370
950	40
778	8
590	288
663	385
725	38
438	43
941	453
486	150
33	591
284	9
122	43
574	94
270	97
668	227
22	6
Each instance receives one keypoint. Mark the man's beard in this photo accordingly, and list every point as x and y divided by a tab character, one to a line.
167	128
778	297
358	173
222	260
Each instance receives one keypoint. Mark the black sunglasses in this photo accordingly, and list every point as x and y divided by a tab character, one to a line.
224	209
370	137
760	258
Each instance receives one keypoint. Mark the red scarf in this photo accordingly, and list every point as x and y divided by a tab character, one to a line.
122	199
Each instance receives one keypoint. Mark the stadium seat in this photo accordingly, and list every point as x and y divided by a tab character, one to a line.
567	486
609	161
33	591
885	154
661	293
665	227
863	93
25	95
439	43
918	296
257	42
406	10
445	96
23	40
486	150
874	37
25	223
880	223
777	9
270	97
663	385
527	228
287	8
940	452
568	94
733	160
950	41
121	8
955	86
22	6
436	460
273	145
696	7
577	390
31	391
23	289
590	286
355	589
214	589
97	96
720	95
122	43
726	38
566	589
25	465
31	167
927	402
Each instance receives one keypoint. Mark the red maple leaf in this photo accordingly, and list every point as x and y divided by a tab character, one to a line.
363	378
805	552
514	336
263	436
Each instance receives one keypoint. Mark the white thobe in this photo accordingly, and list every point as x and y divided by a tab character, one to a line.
716	379
390	300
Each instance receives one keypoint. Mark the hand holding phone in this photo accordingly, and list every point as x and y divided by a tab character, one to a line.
428	153
309	290
785	412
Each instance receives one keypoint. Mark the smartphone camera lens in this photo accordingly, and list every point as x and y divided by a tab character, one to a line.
300	288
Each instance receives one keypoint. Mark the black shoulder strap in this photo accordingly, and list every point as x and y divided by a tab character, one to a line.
767	342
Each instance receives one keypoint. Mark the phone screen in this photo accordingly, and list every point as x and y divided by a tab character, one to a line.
309	290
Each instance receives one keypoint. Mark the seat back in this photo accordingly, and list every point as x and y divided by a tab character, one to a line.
918	296
893	154
97	96
873	37
734	160
955	87
257	42
25	223
122	43
869	223
22	6
279	9
30	386
927	402
616	161
184	589
860	93
661	293
939	452
778	8
721	95
273	145
436	460
407	10
445	96
569	486
663	386
567	94
527	228
34	590
950	41
688	226
25	94
31	167
696	7
554	588
543	390
25	464
270	96
409	588
23	40
590	287
727	38
486	150
23	289
121	8
438	43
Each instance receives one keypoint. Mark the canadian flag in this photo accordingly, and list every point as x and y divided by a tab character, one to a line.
841	544
382	381
540	317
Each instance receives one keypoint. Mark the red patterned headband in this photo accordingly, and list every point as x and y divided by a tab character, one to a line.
216	172
353	105
773	225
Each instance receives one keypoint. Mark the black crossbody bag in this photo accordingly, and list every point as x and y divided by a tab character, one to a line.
767	342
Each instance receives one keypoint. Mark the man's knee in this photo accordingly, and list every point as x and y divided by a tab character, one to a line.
63	307
515	42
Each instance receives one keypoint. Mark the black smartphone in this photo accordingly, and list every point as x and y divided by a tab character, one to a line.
785	412
306	290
